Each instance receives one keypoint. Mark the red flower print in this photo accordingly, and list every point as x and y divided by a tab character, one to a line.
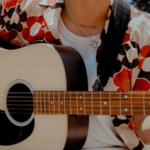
136	134
49	38
5	19
140	64
131	124
8	36
126	38
141	85
145	50
37	30
9	3
16	43
122	80
35	24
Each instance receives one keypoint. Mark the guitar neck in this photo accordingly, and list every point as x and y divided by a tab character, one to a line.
91	102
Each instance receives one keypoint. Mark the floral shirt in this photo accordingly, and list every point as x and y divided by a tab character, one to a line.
24	22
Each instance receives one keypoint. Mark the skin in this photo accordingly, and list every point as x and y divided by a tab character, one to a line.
142	127
83	12
91	15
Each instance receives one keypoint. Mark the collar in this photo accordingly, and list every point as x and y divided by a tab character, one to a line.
53	12
50	2
52	15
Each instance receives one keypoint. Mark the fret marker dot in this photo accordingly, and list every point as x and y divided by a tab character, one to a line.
126	109
105	103
80	97
51	102
149	103
81	108
61	102
125	96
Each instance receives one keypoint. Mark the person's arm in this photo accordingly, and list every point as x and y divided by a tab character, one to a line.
21	22
142	127
142	123
139	36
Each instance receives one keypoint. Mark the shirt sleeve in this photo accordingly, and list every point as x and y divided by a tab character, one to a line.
22	22
135	53
139	31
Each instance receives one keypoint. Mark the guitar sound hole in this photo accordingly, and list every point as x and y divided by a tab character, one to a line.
19	102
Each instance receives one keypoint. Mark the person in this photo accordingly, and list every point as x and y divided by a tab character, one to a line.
82	24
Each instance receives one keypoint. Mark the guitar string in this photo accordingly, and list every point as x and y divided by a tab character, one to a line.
86	92
126	106
95	101
80	105
87	112
56	99
106	109
104	98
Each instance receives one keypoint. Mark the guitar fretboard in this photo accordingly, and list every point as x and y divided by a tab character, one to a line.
91	103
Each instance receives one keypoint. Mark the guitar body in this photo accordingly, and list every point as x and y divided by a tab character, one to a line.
47	68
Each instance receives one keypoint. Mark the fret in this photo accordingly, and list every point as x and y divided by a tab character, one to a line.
74	102
137	103
57	104
110	101
147	103
100	104
125	103
88	107
59	101
44	102
144	102
96	103
67	102
37	102
53	102
77	101
120	101
49	101
40	104
84	103
80	102
70	104
115	103
64	103
131	104
92	101
105	103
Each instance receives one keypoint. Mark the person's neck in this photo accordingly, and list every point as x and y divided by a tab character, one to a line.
90	15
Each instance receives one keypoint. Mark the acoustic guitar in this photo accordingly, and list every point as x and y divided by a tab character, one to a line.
44	102
40	67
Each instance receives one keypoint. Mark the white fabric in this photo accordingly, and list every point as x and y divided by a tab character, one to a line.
101	130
